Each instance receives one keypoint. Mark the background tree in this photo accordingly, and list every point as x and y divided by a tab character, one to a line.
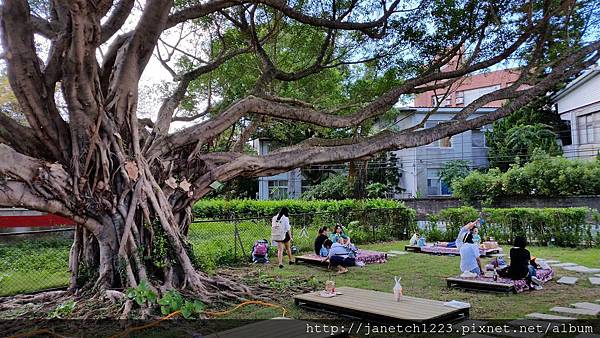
454	170
130	183
514	138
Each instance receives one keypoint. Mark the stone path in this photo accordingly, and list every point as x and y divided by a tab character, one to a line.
586	305
549	261
567	280
582	269
595	280
560	265
395	252
574	311
544	316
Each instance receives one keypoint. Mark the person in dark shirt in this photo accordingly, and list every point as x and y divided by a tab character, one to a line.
520	267
320	239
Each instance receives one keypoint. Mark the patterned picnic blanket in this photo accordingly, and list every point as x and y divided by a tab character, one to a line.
454	251
521	284
365	256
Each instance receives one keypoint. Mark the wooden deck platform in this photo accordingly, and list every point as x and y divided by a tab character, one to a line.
474	284
275	328
381	307
310	259
413	248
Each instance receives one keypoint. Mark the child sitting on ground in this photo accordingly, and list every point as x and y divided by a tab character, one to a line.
324	251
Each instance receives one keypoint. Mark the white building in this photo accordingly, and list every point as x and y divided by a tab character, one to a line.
579	104
281	186
421	166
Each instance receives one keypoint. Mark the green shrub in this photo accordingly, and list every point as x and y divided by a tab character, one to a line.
544	176
565	227
223	209
455	218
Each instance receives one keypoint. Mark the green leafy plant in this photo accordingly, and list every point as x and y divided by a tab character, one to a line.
192	308
173	301
63	310
142	294
170	302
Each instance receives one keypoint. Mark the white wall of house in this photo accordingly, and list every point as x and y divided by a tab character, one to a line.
421	166
579	103
280	186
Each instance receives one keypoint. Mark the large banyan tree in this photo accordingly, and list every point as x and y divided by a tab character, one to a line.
129	181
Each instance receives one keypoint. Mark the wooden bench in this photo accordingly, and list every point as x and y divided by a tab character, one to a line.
381	307
275	328
474	284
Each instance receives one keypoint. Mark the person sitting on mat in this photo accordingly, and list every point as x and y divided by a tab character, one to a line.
324	251
339	235
520	264
414	239
469	255
321	238
339	256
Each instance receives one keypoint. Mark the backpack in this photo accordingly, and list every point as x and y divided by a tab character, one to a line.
277	230
261	248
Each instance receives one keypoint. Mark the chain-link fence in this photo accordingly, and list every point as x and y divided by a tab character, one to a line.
34	260
38	260
227	241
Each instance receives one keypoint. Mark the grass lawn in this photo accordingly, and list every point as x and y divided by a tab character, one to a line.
27	266
424	275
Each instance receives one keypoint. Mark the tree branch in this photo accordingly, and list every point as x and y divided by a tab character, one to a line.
28	82
204	9
116	20
294	157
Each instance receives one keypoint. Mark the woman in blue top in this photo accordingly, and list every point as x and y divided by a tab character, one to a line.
338	235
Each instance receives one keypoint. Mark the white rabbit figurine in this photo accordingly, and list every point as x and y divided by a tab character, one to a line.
397	289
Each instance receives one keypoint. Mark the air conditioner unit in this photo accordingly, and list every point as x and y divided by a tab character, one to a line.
459	100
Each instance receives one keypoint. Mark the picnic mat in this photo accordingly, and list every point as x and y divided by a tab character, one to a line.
520	284
454	251
365	256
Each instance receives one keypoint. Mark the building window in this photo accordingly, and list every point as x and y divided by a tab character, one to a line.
445	142
586	125
433	182
440	99
460	98
477	138
435	186
278	189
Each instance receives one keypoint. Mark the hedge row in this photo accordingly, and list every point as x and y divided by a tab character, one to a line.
544	176
222	209
566	227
